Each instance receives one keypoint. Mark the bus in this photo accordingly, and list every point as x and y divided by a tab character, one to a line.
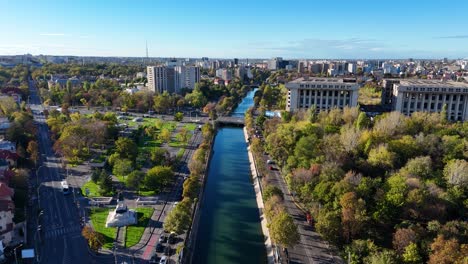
65	188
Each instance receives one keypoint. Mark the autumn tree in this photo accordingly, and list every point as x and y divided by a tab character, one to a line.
402	238
353	216
447	251
165	135
283	230
178	219
33	150
95	239
158	177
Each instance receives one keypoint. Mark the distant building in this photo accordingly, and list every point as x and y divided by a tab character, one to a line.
172	79
224	74
387	91
236	61
7	209
430	96
301	66
275	63
324	93
352	67
141	75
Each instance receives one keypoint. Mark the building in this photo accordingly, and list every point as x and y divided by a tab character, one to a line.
172	78
387	92
324	93
224	74
7	208
157	78
431	96
186	77
275	63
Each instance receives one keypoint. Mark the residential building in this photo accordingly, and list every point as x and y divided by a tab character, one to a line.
186	77
7	145
157	78
7	208
323	93
431	96
387	92
224	74
275	63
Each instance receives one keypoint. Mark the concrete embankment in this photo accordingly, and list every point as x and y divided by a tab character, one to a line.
259	199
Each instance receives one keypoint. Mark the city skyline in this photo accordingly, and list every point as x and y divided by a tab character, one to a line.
242	29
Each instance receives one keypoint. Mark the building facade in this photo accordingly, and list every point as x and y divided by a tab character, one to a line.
431	96
387	91
157	78
172	78
323	93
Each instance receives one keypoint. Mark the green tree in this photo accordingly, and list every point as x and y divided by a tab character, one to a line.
134	179
126	148
283	230
270	191
158	177
178	219
191	187
105	183
183	135
381	157
122	167
382	257
329	225
165	135
94	238
411	254
456	173
178	116
160	156
33	151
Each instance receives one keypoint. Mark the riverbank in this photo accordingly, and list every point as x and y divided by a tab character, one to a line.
260	204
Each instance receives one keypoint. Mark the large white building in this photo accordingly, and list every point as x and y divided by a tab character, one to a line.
324	93
430	96
172	78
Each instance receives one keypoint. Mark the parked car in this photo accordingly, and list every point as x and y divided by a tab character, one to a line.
171	239
162	239
159	247
270	162
163	260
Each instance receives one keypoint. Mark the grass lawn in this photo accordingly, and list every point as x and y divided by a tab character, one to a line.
146	193
180	153
370	95
98	218
135	232
92	187
190	127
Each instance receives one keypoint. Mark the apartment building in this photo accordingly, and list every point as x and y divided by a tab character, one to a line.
324	93
172	78
430	96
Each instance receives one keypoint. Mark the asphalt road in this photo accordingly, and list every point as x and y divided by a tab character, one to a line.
59	240
312	249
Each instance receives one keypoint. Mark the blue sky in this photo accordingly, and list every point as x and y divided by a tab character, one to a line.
236	28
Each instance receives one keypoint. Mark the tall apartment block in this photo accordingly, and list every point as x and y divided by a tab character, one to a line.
172	79
324	93
430	96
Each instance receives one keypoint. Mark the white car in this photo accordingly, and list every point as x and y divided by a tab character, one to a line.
270	162
163	260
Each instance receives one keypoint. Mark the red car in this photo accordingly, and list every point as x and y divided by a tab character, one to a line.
310	220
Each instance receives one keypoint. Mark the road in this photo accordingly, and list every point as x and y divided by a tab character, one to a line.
59	240
312	249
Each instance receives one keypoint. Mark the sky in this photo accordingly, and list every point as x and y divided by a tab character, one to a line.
349	29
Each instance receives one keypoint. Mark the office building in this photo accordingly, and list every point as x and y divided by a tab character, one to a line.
430	96
324	93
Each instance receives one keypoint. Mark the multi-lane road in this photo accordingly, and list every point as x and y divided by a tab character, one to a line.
57	237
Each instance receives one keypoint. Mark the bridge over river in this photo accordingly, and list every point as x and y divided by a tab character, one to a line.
230	120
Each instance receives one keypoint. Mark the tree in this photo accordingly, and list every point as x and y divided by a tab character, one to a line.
134	179
456	173
382	257
105	183
381	157
126	148
178	219
283	230
447	251
122	167
329	225
402	238
183	135
418	167
160	156
165	135
270	191
363	121
8	105
359	249
33	150
411	254
178	116
95	239
353	217
158	177
207	132
191	187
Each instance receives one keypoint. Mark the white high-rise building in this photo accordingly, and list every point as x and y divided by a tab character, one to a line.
172	79
323	93
157	78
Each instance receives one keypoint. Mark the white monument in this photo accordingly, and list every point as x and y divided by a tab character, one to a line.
121	216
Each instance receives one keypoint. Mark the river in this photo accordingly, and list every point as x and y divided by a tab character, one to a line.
229	230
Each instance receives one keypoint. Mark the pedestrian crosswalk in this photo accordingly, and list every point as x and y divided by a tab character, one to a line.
62	231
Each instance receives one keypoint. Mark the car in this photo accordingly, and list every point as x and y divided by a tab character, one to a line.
154	259
171	239
270	167
159	247
167	251
270	162
162	239
163	260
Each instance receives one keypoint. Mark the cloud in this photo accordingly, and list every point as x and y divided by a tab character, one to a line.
454	37
300	46
53	34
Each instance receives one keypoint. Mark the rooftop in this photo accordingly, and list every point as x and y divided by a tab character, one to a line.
321	80
433	83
